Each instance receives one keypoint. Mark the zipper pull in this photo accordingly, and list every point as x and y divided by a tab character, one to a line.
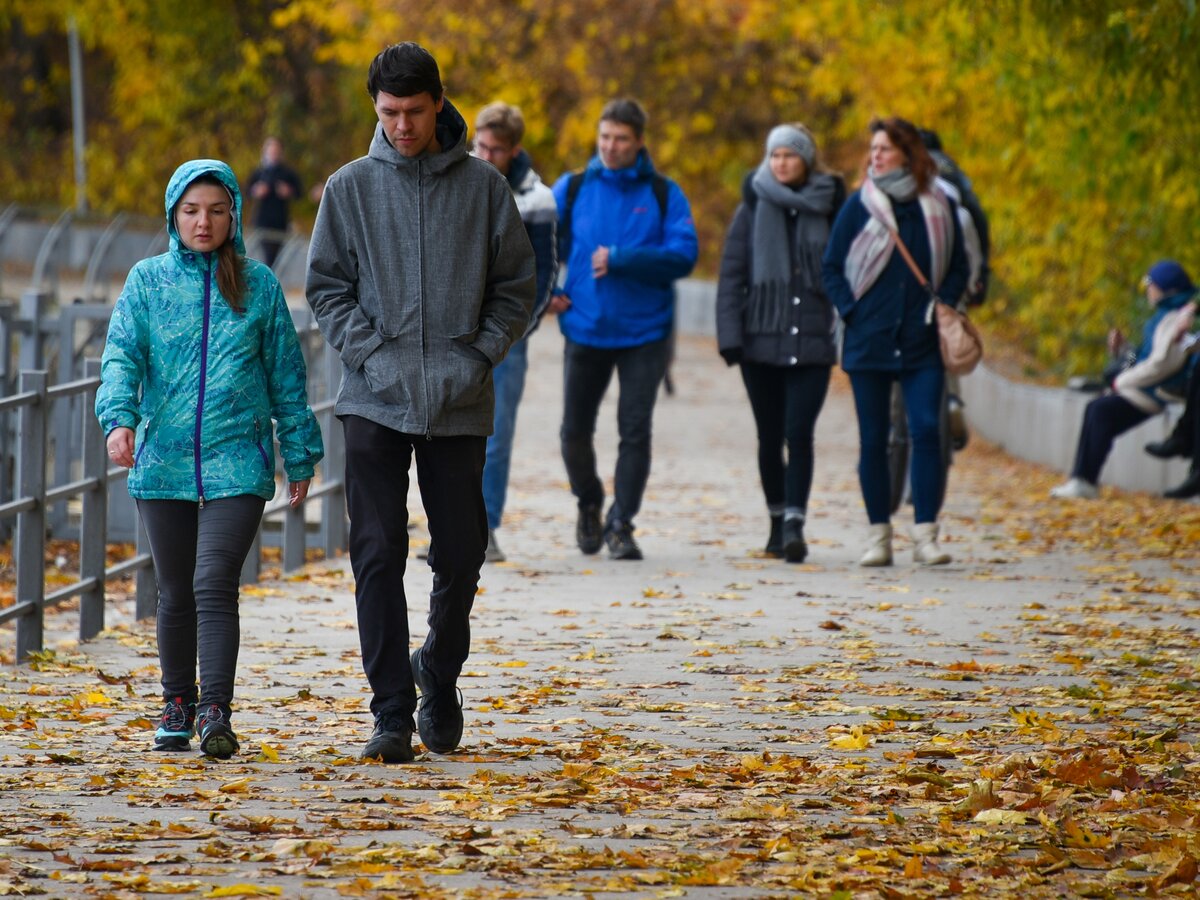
202	501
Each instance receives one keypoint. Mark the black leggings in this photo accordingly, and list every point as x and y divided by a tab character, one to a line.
198	555
786	401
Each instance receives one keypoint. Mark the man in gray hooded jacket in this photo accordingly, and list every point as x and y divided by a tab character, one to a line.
421	276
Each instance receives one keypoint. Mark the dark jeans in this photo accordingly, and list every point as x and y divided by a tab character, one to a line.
1104	419
450	476
786	401
586	374
198	555
922	389
1187	429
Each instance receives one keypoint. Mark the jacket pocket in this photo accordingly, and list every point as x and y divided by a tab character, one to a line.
464	345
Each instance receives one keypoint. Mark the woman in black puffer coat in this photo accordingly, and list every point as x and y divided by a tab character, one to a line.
775	322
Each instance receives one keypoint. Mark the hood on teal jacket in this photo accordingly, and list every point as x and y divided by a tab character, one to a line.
184	176
206	387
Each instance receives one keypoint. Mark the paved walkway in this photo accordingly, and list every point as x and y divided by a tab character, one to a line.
702	723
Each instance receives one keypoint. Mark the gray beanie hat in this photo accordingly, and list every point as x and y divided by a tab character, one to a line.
793	139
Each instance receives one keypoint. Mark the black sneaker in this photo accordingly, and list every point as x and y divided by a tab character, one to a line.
391	742
588	533
621	544
176	725
439	715
216	736
794	547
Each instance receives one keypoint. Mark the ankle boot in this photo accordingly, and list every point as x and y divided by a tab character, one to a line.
774	548
794	548
1189	488
926	551
879	547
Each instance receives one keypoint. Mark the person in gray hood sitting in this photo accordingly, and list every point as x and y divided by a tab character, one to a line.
421	276
774	320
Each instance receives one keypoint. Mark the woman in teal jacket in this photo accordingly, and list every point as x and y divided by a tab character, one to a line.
201	356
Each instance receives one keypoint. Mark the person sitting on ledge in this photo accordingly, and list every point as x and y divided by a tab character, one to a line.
1184	439
1157	375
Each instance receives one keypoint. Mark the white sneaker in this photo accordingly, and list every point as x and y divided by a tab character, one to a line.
1075	489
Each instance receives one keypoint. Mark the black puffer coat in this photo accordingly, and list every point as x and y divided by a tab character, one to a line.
806	335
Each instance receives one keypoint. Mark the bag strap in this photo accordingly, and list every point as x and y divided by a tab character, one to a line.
921	279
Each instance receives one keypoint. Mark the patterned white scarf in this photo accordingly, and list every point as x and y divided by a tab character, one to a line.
872	247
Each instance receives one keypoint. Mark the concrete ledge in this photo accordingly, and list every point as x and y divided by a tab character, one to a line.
1042	425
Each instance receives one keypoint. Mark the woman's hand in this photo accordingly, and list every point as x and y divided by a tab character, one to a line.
120	446
297	491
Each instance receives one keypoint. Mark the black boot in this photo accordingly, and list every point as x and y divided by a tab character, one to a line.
1189	488
1173	445
774	548
794	548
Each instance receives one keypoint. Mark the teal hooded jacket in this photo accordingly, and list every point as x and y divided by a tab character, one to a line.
201	382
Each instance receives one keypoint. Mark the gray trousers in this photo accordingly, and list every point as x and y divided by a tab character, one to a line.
198	555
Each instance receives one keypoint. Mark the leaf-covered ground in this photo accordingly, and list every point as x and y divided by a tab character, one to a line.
706	723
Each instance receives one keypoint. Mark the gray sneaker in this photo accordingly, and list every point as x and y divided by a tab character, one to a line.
493	553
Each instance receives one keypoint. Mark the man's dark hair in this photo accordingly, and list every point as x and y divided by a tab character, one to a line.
930	138
626	111
404	70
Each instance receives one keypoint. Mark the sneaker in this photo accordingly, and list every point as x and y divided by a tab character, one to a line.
621	544
493	553
588	533
176	725
1075	489
439	715
391	741
1172	446
216	736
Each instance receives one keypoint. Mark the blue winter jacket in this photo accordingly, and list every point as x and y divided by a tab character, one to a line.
200	382
889	328
634	304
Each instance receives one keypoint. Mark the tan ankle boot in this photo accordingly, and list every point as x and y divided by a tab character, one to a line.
879	547
926	551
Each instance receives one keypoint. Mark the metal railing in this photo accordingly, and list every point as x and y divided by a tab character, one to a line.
32	402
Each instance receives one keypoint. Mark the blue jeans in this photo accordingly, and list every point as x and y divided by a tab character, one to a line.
922	390
587	372
509	381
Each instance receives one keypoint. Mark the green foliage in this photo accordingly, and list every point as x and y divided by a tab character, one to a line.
1072	117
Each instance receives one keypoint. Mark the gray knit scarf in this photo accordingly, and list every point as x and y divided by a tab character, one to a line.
771	277
898	184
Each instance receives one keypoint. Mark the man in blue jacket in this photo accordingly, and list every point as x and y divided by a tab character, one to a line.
626	234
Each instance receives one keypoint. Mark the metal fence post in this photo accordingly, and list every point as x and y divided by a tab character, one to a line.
93	526
31	525
34	304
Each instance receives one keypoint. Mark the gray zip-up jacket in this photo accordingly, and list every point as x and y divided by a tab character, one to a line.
421	276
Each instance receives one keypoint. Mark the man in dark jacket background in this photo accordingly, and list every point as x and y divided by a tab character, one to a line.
626	234
273	186
421	276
